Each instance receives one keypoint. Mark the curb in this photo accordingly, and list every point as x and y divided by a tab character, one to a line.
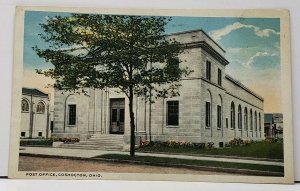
194	167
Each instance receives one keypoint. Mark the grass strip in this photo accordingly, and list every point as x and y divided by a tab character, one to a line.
176	161
255	150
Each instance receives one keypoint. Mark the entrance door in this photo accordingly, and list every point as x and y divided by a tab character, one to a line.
117	116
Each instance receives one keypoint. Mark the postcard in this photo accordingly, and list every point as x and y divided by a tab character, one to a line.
144	94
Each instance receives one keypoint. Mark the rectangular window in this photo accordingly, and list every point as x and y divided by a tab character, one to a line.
172	112
219	116
207	114
23	134
72	114
40	134
219	77
208	70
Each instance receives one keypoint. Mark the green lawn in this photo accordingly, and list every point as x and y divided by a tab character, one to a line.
164	160
256	150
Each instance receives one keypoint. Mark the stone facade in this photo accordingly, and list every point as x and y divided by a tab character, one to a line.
35	116
196	116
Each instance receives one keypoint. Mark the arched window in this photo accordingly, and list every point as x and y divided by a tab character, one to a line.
25	105
246	119
255	121
219	112
208	101
232	116
40	107
239	117
71	110
251	120
259	124
259	120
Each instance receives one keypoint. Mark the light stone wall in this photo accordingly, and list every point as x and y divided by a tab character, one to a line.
39	119
93	111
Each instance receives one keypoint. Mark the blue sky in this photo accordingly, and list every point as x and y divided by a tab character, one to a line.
251	45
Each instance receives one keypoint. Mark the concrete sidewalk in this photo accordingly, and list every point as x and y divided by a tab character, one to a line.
93	153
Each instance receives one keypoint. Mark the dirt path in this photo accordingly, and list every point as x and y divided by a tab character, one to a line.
68	165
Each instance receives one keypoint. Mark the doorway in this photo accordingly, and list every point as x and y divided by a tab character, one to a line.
117	116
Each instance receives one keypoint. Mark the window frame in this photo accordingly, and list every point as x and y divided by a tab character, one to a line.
207	114
69	115
208	70
240	118
23	133
232	115
43	107
251	120
246	119
219	77
169	114
255	121
219	117
28	105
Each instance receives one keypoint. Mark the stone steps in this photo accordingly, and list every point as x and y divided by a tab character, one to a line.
99	142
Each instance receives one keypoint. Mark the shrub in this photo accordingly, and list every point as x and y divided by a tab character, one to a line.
69	140
227	145
144	142
172	143
270	140
236	142
36	142
199	145
248	142
55	139
210	145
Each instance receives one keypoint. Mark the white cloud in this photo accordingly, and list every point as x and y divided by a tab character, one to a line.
218	34
258	54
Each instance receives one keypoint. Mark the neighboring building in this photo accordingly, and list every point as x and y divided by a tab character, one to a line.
273	125
212	106
35	114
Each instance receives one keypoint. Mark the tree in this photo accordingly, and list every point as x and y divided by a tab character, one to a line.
131	53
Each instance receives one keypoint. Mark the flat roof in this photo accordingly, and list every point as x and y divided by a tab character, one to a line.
238	83
33	91
197	30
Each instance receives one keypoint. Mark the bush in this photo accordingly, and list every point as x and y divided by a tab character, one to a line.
54	138
272	140
171	144
70	140
236	142
36	142
199	145
210	145
248	142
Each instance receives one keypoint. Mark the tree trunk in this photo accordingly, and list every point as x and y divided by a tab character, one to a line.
132	125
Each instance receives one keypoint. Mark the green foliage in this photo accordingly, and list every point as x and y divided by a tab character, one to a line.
131	53
253	149
236	142
172	144
125	52
65	139
36	142
210	145
272	140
